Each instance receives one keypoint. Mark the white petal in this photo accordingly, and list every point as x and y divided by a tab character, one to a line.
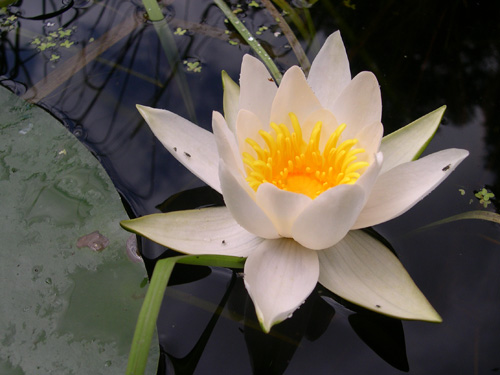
369	138
279	276
226	142
330	72
329	217
362	270
248	126
238	196
231	100
399	189
406	144
359	105
206	231
191	145
370	175
281	206
294	95
257	88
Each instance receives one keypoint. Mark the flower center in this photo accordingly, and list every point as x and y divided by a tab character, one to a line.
291	164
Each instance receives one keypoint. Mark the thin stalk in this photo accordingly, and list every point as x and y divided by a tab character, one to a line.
250	39
150	309
170	48
289	35
147	316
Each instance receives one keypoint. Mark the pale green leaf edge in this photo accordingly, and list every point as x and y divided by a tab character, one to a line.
401	136
230	101
470	215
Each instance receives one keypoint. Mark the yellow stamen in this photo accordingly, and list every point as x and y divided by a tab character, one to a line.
292	164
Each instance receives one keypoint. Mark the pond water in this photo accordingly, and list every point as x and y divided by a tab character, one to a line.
90	62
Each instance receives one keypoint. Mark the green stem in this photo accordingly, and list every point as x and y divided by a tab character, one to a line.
150	309
147	316
153	9
289	35
250	39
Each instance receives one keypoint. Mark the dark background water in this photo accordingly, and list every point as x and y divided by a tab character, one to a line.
425	54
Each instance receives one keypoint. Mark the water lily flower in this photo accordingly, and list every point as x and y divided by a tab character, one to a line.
302	167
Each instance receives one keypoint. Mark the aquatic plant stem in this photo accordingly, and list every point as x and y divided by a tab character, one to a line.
250	39
289	35
469	215
170	49
153	10
150	309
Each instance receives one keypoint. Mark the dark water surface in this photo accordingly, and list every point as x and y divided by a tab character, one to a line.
91	62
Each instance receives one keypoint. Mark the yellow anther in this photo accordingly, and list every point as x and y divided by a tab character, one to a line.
294	164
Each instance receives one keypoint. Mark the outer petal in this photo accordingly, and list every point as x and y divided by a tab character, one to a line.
294	95
399	189
238	196
226	142
279	276
282	207
406	144
193	146
362	270
257	90
360	104
231	100
206	231
329	217
330	72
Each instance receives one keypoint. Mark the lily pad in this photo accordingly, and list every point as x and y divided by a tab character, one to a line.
66	309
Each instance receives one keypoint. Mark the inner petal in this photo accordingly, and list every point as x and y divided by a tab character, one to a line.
292	164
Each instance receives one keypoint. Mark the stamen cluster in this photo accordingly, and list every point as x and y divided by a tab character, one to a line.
291	164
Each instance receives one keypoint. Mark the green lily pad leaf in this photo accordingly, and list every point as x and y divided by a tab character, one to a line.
70	297
362	270
408	143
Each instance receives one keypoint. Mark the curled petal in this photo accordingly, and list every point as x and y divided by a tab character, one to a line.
281	206
362	270
329	217
216	232
399	189
279	275
330	72
238	196
191	145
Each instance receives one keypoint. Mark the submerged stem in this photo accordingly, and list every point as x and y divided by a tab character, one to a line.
252	42
170	49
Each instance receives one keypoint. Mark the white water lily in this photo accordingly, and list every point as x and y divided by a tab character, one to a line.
301	167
